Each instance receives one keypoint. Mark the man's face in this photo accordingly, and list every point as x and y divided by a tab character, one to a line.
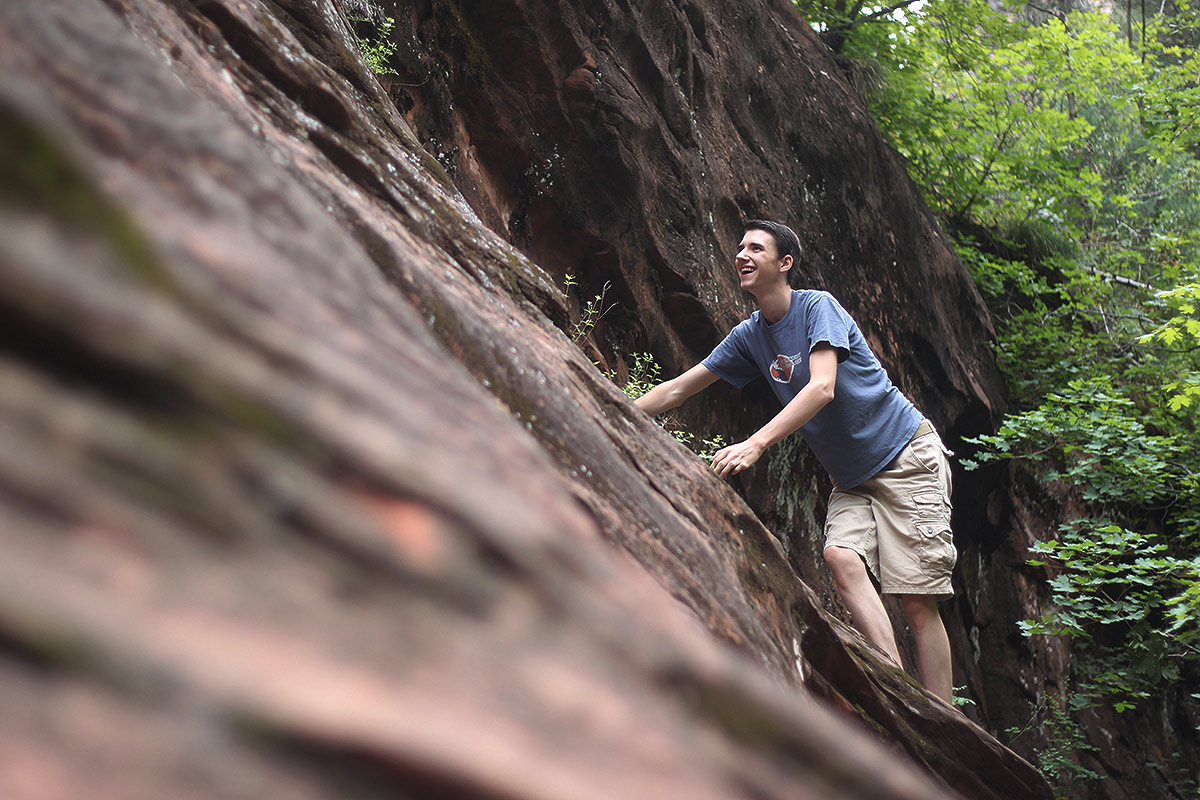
758	262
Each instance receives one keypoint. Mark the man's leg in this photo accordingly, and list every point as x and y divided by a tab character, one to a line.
861	599
911	506
933	645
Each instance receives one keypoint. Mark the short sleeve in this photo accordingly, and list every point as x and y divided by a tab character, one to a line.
828	322
731	360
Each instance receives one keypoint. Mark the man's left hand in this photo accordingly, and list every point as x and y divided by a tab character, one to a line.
737	457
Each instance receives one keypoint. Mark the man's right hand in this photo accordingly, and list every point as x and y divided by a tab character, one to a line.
737	457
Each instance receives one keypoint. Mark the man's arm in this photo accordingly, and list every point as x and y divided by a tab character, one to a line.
816	394
669	394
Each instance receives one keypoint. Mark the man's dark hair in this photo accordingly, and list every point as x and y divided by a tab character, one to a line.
787	243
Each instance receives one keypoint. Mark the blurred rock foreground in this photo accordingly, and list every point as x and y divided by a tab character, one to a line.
305	493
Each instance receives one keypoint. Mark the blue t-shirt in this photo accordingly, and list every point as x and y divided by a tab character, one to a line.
868	421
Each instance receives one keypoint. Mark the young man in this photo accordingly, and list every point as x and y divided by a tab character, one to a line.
889	513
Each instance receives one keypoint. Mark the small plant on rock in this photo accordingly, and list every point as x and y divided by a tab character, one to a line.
378	49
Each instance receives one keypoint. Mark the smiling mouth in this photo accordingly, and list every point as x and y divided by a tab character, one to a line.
747	270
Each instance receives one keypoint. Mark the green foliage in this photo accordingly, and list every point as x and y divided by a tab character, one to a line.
1111	581
644	375
1170	98
1183	328
960	699
978	103
1186	323
1013	124
1003	279
1123	591
705	448
1095	438
377	48
590	312
1065	740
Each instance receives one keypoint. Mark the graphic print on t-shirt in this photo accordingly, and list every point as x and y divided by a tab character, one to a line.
782	367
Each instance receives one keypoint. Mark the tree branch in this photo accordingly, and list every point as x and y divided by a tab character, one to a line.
1108	276
883	12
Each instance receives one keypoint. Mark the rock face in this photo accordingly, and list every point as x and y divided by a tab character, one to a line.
624	147
305	492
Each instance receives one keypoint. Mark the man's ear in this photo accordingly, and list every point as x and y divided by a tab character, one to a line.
785	263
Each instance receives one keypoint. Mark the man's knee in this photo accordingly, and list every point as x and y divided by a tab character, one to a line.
920	608
844	562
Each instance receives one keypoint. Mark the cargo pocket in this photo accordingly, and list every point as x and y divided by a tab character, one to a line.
935	541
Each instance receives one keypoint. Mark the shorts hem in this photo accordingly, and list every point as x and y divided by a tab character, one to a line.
939	593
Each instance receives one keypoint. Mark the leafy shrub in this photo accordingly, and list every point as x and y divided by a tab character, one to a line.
1121	585
1095	438
1122	590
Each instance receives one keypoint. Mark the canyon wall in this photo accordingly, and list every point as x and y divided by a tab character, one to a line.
307	487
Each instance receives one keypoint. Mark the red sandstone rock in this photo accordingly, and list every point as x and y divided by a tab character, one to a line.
305	493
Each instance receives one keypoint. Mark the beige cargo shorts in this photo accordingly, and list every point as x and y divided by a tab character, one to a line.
899	520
